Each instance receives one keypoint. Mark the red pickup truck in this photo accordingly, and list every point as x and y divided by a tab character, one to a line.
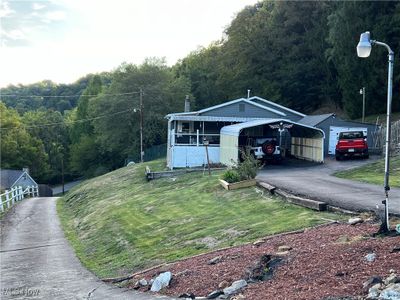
351	143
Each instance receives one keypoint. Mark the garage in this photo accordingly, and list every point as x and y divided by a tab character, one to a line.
293	139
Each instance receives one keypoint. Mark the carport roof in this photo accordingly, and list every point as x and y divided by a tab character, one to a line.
234	130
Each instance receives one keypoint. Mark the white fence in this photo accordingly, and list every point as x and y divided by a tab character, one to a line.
16	194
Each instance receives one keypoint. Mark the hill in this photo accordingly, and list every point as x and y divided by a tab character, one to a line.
118	223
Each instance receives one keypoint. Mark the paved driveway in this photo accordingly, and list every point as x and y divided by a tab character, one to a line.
38	263
316	182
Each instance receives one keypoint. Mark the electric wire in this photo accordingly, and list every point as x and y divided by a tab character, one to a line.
69	122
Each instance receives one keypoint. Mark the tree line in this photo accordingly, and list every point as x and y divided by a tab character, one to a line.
298	54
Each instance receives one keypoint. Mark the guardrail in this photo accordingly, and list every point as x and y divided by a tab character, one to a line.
16	194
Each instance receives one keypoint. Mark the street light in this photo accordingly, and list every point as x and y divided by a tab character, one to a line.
364	50
362	92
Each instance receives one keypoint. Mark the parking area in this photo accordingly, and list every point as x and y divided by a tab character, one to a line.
315	181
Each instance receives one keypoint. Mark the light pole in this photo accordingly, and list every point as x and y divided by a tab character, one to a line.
362	92
364	50
141	126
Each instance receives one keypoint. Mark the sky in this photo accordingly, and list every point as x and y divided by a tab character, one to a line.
63	40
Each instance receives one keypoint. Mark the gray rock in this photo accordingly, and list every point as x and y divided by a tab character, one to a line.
372	281
373	293
235	286
354	221
215	260
161	281
391	293
370	257
143	282
392	279
215	294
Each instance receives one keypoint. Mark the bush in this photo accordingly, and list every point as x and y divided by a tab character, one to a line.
247	169
231	176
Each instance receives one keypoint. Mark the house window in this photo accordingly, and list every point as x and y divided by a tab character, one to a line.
241	107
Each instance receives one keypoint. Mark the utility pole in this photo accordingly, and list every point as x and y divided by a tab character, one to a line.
141	126
62	174
362	92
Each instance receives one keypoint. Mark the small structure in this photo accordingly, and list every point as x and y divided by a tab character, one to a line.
13	178
306	137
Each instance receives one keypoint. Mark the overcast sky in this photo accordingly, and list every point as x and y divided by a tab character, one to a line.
63	40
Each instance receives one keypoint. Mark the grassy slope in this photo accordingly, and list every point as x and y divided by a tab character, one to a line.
395	116
119	223
374	173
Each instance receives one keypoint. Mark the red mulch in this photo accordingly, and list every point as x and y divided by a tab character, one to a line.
320	264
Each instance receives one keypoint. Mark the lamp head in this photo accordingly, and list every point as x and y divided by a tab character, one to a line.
364	45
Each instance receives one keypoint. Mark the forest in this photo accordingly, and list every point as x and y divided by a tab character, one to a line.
298	54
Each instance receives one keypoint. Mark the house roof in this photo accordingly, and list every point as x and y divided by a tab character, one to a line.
234	130
8	177
276	105
248	101
314	120
178	117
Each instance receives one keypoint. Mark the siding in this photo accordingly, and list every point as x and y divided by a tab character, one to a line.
289	115
250	111
335	121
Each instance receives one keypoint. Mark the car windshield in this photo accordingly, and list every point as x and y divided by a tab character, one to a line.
351	135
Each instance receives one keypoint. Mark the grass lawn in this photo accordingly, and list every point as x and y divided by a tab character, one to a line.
119	223
374	172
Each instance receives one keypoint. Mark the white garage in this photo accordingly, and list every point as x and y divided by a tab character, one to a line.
334	132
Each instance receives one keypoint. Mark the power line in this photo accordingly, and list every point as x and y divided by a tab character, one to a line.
66	96
70	122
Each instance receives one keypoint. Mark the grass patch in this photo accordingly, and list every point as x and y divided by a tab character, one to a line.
118	223
395	116
374	172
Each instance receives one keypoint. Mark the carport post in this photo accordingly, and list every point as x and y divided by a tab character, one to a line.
364	50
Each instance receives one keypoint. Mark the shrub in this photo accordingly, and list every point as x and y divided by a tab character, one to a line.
231	176
247	169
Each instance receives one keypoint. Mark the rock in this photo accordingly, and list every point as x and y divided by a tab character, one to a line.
151	281
373	293
235	286
395	249
372	281
215	294
392	271
354	221
284	248
258	243
187	296
161	281
223	284
391	293
370	257
282	253
215	260
143	282
392	279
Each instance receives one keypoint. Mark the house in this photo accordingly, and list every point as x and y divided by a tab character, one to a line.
13	178
227	127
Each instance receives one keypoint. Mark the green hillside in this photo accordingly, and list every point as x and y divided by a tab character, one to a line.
119	223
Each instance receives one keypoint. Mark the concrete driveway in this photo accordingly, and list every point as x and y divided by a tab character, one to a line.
38	263
315	181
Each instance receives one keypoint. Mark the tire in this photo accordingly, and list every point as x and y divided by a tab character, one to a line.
268	148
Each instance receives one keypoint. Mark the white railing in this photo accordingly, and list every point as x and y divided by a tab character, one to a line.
17	193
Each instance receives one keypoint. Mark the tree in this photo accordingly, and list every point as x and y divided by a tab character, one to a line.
18	148
346	23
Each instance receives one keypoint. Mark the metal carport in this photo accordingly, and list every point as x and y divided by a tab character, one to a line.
306	142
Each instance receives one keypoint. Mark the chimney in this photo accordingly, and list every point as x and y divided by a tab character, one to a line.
26	169
187	104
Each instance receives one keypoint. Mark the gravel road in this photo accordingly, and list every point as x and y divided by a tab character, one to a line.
38	263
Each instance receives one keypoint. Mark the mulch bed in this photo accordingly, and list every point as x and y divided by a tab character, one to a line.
324	261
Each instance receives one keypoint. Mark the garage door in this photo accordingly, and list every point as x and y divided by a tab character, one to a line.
334	135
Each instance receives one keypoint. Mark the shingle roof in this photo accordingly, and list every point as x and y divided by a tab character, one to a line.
8	177
314	120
